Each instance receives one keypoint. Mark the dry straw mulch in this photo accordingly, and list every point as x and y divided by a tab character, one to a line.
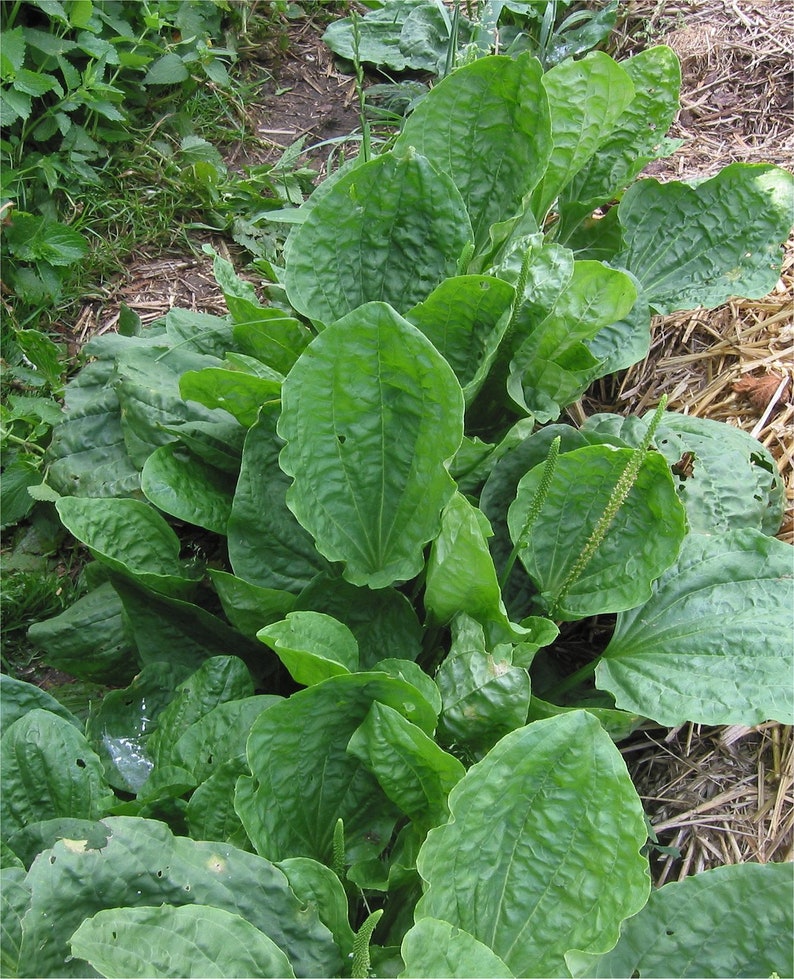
721	795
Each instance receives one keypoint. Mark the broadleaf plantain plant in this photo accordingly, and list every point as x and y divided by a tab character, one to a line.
353	712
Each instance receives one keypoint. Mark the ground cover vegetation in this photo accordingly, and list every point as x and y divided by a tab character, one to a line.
337	540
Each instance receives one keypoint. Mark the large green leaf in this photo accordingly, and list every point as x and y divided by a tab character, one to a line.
250	607
90	640
129	537
733	480
14	901
541	831
384	622
390	230
236	391
553	366
303	778
267	545
18	698
465	319
484	696
177	943
187	488
487	126
637	137
49	770
713	644
434	948
699	245
143	865
586	99
371	415
729	921
412	770
210	812
312	646
318	885
641	542
460	571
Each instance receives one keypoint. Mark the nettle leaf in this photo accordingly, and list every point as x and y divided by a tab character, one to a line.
713	644
267	545
487	126
552	367
637	136
698	246
641	542
586	99
733	481
312	646
434	948
129	537
412	770
528	892
303	778
49	770
742	927
177	942
142	865
465	319
360	242
371	415
187	488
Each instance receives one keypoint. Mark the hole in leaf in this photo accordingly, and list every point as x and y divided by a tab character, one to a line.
341	439
52	859
669	931
80	763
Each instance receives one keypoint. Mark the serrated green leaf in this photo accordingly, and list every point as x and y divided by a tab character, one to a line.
187	488
569	824
742	926
177	943
167	70
359	243
371	414
698	246
713	644
487	126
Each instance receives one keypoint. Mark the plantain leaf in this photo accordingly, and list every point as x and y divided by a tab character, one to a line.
371	415
360	242
540	831
713	644
182	485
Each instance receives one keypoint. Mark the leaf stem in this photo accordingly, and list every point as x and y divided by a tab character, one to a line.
616	500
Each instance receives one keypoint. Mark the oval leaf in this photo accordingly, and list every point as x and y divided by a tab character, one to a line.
363	240
642	541
179	484
434	948
541	829
313	646
742	927
713	644
177	943
371	415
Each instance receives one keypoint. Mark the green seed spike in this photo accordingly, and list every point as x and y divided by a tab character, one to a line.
618	497
360	966
534	508
338	859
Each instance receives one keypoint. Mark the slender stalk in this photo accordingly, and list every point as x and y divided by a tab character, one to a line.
534	509
366	143
361	962
616	500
